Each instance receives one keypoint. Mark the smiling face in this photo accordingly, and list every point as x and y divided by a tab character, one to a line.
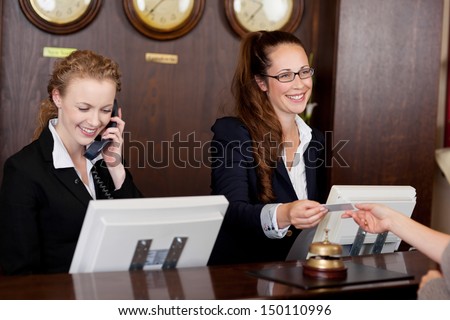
84	110
289	98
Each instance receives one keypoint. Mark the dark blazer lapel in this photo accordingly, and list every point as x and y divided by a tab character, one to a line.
311	182
310	172
281	172
71	181
67	176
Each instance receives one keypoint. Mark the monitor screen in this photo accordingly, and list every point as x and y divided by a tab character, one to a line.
345	231
148	233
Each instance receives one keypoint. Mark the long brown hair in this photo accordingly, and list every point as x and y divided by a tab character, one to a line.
79	64
253	107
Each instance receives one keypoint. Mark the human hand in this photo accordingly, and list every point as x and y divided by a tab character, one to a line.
373	218
112	154
302	214
431	274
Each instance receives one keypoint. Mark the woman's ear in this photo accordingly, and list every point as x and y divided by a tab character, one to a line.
56	97
261	83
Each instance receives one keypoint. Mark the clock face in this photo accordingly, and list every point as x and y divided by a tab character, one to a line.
163	15
264	14
253	15
164	19
60	16
60	11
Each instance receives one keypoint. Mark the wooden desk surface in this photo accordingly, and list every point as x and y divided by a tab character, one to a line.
221	282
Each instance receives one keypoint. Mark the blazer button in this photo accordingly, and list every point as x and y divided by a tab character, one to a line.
289	233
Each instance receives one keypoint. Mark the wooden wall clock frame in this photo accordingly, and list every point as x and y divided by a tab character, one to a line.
151	28
290	26
41	19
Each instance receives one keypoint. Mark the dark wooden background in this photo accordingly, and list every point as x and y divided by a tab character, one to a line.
376	85
386	94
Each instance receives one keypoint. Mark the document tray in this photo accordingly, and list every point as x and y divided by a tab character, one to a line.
356	274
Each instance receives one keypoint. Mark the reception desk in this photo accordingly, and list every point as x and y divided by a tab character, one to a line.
220	282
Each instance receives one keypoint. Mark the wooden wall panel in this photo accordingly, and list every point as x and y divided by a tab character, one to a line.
386	94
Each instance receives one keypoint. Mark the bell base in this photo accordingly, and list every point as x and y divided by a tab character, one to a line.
331	273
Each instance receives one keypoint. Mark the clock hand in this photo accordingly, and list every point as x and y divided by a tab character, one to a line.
156	5
256	11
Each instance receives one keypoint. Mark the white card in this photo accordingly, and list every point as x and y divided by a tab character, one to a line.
339	207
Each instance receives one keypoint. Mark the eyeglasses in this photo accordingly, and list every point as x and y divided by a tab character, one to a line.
289	76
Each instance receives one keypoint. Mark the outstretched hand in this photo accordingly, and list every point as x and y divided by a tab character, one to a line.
373	218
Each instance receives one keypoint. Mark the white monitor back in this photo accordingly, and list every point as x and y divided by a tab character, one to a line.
343	231
112	229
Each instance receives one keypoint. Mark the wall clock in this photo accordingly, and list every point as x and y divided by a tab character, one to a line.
60	16
252	15
164	19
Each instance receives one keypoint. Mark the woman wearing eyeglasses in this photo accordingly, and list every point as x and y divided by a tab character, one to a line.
266	160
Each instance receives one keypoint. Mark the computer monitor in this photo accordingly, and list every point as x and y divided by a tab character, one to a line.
345	231
148	233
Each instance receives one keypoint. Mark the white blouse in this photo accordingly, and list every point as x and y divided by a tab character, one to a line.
61	158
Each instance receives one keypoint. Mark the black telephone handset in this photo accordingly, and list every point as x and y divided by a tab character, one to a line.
97	146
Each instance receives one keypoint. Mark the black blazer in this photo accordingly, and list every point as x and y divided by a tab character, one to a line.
241	238
43	208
